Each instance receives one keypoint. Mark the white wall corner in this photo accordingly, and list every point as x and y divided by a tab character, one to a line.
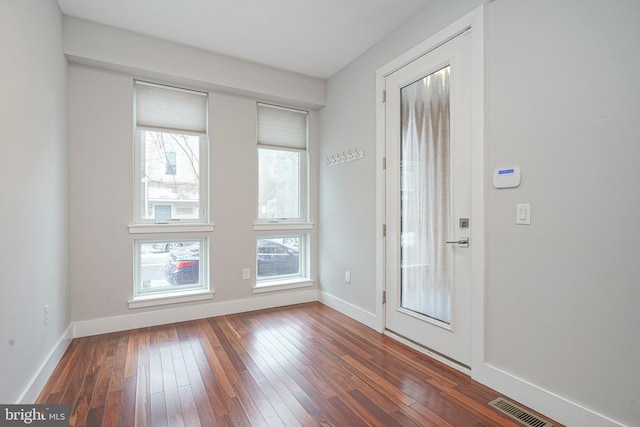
164	316
354	312
42	375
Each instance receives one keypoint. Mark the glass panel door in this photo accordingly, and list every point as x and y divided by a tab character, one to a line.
425	211
427	190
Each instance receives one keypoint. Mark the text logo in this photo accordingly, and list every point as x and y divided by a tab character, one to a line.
34	415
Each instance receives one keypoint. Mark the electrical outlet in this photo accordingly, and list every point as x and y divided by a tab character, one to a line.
246	273
46	315
347	276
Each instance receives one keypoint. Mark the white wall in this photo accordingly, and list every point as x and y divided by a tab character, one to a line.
33	193
101	185
561	294
107	47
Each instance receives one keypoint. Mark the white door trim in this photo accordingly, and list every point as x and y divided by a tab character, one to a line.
475	21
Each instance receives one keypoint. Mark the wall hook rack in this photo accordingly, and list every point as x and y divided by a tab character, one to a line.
345	156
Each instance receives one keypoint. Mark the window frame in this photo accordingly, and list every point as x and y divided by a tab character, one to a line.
175	229
301	226
204	285
303	171
302	277
282	277
303	159
203	165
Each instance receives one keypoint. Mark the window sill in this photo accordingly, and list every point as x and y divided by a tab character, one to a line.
170	228
266	226
281	285
154	300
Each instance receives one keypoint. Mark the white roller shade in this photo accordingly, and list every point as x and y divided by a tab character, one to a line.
170	108
282	127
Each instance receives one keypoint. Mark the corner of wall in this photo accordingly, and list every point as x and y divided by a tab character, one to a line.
44	372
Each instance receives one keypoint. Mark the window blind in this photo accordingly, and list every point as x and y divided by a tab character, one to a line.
282	127
164	107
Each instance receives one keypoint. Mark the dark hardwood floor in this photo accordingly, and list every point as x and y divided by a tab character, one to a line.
304	365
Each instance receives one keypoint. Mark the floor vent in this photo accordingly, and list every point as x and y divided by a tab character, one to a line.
517	413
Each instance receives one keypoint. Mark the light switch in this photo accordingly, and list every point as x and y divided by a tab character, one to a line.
523	214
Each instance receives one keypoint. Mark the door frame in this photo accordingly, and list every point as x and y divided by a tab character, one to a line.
474	21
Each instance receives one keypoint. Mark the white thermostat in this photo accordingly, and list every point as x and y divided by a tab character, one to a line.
506	178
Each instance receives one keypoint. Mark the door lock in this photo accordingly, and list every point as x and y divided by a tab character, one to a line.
463	242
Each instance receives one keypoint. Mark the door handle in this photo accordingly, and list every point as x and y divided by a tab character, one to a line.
463	242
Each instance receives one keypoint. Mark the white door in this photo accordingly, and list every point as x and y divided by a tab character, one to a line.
428	199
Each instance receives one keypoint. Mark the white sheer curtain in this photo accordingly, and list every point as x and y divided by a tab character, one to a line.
425	206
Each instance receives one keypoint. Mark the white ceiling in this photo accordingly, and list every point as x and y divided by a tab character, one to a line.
312	37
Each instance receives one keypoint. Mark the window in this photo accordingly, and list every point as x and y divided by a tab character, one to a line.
171	153
279	257
279	173
162	211
171	195
282	164
282	257
170	165
165	266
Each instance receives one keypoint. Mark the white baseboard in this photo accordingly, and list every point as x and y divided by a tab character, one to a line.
544	401
145	319
40	378
355	312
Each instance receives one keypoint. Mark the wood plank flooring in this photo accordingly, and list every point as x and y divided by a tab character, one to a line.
304	365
